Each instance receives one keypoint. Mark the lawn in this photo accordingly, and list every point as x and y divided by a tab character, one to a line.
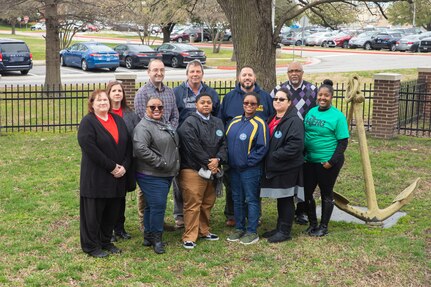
39	229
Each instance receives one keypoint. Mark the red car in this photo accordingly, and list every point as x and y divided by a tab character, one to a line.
339	40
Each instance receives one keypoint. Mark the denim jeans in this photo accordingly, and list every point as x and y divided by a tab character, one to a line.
245	186
155	190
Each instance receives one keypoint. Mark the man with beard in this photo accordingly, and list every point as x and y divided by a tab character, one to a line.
303	98
232	106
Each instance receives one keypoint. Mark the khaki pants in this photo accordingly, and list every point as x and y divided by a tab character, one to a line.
199	198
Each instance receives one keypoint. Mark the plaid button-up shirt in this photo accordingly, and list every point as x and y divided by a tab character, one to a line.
170	110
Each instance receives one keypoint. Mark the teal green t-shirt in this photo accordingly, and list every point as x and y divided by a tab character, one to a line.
323	129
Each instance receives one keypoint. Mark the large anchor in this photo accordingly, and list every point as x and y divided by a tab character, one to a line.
373	214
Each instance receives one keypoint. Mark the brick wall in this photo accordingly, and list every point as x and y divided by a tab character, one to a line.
424	76
385	105
129	84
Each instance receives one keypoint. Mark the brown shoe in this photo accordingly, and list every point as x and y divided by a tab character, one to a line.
179	223
167	227
230	222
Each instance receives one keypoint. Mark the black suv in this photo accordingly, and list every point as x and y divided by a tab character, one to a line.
15	56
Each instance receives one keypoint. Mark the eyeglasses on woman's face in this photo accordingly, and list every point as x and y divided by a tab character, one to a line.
153	108
277	99
252	104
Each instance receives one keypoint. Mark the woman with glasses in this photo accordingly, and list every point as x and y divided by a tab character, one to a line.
155	146
326	139
117	98
247	141
106	153
283	177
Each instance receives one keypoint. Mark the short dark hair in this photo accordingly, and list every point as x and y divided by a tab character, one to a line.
286	91
203	95
254	94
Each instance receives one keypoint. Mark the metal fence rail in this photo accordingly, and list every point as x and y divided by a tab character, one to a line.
414	113
61	108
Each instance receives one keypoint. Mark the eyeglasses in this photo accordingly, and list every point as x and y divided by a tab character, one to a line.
249	104
279	99
158	70
153	108
294	71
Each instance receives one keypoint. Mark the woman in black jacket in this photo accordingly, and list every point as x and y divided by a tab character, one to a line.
283	177
106	152
117	97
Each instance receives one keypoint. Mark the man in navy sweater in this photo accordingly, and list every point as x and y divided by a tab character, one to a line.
232	106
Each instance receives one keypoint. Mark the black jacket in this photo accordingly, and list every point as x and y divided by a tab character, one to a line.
286	145
131	119
201	140
100	154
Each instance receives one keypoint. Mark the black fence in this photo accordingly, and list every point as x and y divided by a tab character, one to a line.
414	113
61	108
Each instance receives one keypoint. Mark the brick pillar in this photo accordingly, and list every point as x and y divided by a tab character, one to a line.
385	105
129	84
424	76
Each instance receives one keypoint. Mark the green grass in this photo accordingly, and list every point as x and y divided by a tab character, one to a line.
39	229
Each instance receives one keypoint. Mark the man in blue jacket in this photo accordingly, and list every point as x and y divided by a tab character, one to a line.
232	106
185	95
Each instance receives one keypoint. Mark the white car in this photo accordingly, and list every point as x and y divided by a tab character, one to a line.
38	26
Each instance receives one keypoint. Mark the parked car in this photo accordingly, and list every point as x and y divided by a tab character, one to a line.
15	56
184	35
136	55
316	39
425	45
38	26
177	55
90	27
338	40
227	35
90	55
362	40
385	40
294	38
411	42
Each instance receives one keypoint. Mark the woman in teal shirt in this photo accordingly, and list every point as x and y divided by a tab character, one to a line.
326	138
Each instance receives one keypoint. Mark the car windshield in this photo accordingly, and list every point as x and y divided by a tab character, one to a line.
99	48
14	48
186	47
140	48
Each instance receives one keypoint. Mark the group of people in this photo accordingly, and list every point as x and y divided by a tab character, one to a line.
279	145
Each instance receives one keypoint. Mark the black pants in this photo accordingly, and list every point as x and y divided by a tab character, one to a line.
285	208
97	219
119	225
316	175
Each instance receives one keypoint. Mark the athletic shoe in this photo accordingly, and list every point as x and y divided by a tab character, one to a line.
249	238
189	244
236	235
210	237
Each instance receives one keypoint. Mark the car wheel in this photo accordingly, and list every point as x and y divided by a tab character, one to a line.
112	69
84	65
180	40
367	46
129	63
175	63
326	44
346	44
24	72
62	61
298	43
392	47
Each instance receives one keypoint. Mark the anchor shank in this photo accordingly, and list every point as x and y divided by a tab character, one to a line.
370	192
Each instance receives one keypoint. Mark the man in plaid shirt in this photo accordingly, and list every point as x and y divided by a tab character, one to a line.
156	88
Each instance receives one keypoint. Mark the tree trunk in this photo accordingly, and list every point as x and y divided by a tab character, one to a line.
52	74
13	24
252	35
166	30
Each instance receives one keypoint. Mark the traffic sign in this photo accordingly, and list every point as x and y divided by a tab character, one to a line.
26	18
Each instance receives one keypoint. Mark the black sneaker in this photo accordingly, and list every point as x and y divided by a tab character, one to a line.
189	244
301	219
210	237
